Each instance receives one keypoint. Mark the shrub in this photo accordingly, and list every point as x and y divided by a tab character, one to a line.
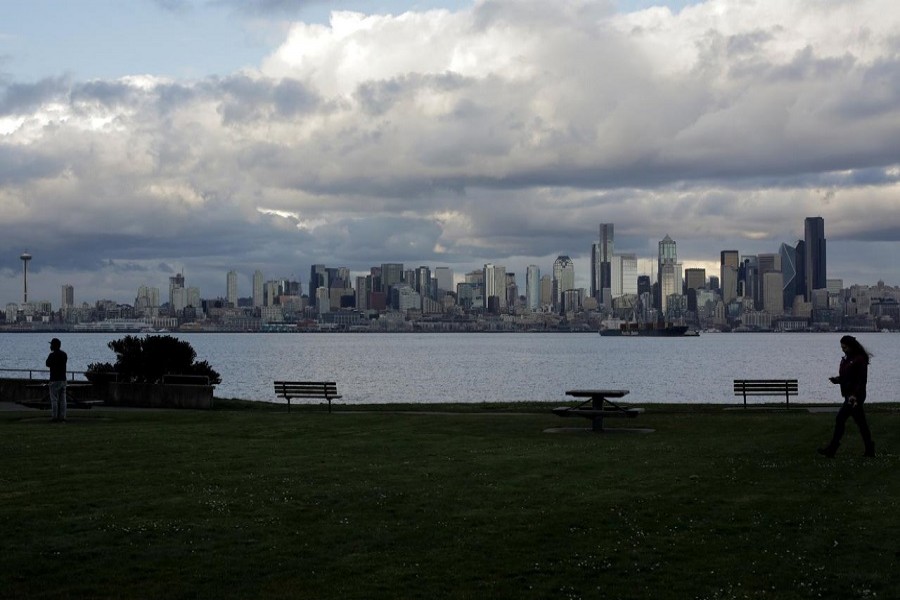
148	359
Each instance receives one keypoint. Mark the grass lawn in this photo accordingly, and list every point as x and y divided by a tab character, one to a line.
264	504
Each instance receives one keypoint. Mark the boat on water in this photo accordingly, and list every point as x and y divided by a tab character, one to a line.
618	328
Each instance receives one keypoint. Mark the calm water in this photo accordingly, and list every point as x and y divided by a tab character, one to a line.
473	367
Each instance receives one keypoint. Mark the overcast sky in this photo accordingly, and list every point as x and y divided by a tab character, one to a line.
142	138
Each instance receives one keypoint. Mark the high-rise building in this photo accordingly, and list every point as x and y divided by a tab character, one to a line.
391	275
669	272
773	298
422	281
694	279
728	276
231	293
175	283
601	259
768	263
533	287
622	276
546	290
68	297
789	275
444	277
814	237
495	284
563	278
258	291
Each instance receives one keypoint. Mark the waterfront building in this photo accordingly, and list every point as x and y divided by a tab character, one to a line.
729	266
231	291
815	263
563	279
404	298
533	287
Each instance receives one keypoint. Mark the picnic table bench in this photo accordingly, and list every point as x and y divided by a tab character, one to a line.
72	400
598	406
322	390
766	387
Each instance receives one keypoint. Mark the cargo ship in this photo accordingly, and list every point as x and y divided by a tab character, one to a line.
616	327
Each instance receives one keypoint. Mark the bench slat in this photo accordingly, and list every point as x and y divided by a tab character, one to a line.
325	390
766	387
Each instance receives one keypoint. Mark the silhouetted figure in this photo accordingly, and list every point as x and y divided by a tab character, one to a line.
56	361
852	379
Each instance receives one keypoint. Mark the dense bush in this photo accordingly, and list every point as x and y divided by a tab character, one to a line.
148	359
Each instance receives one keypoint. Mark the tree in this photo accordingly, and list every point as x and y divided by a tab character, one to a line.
148	359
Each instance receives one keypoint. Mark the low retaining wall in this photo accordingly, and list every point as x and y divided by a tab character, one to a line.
144	395
168	395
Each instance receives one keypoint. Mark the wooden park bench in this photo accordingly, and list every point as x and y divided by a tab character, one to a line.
766	387
322	390
73	393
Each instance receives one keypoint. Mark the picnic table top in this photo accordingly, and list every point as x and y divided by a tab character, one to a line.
599	393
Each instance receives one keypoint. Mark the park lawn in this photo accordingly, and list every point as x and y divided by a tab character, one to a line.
264	504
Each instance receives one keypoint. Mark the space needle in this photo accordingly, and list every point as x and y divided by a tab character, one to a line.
25	258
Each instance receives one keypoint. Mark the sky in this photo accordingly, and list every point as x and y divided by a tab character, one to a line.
144	138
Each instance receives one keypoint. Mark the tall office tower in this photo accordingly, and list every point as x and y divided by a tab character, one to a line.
271	292
729	266
623	276
601	259
533	287
176	282
563	278
391	275
800	254
749	279
773	300
444	276
643	285
668	275
694	279
512	290
68	296
546	290
363	289
787	256
814	236
495	284
231	294
422	281
192	297
258	293
318	278
768	263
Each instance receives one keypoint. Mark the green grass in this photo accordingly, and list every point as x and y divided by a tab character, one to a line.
263	504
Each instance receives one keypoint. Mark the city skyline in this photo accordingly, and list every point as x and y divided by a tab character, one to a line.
441	133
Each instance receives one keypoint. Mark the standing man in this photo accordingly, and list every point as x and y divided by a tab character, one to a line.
56	361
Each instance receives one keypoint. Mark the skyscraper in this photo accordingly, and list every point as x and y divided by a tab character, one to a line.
729	265
495	284
68	296
563	278
669	273
258	297
814	236
533	287
601	258
789	275
231	294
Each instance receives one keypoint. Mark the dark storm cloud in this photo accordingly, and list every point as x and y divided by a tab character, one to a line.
21	165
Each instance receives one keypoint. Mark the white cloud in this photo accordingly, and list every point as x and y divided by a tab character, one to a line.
504	131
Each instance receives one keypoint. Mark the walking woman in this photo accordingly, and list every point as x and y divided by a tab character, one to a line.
852	379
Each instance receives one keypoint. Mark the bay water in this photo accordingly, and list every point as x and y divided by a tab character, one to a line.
500	367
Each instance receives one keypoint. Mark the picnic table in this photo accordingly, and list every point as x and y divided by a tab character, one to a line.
598	405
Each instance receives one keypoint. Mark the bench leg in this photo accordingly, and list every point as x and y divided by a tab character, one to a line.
597	423
289	404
